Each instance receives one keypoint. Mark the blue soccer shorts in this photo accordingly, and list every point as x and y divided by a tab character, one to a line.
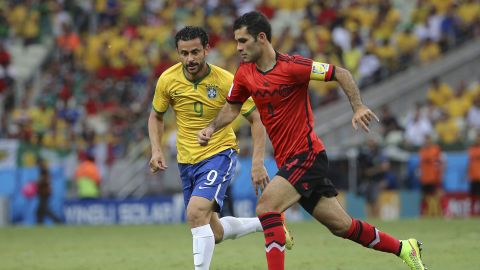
209	178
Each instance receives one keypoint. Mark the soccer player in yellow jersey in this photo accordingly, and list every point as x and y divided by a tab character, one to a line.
196	91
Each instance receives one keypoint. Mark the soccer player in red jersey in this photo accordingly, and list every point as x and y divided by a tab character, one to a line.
278	84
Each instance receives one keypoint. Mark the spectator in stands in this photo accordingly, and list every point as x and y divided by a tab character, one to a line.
4	27
266	9
458	105
328	13
439	93
474	174
340	35
44	191
369	67
388	120
388	57
351	58
432	112
429	51
473	116
6	74
42	118
407	45
469	11
417	128
87	177
420	28
68	41
4	56
374	166
450	29
431	173
448	131
434	22
60	17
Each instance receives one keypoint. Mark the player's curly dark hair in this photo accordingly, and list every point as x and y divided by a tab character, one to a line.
192	32
256	23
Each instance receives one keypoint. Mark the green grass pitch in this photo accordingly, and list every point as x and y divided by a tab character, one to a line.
448	244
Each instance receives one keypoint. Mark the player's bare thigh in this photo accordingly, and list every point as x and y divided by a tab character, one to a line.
330	213
278	196
199	211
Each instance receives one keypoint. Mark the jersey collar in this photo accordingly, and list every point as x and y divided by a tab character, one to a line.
197	81
268	71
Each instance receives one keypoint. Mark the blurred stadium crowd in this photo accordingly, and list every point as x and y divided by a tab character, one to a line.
95	87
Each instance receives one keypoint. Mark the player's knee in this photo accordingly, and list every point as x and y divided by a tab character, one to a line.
196	217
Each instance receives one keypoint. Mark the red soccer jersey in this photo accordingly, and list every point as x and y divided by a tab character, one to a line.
281	96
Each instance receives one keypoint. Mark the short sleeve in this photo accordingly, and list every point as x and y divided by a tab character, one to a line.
301	68
248	107
161	97
238	92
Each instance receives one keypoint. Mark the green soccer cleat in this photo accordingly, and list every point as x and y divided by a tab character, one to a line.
288	238
411	254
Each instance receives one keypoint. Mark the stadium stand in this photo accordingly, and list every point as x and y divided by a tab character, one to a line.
97	63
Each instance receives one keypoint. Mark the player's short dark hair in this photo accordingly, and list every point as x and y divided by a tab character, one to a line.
256	23
192	32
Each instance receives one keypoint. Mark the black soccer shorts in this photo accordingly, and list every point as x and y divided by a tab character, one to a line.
307	172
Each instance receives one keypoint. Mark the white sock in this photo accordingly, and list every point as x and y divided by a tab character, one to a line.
203	245
234	228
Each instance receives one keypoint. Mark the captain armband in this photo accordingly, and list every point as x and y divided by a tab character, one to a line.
322	72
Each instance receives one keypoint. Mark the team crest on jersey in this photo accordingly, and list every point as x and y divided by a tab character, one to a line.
211	91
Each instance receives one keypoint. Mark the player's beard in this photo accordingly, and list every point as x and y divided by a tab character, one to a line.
194	71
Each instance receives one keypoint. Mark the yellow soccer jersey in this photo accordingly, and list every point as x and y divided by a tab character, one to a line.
195	105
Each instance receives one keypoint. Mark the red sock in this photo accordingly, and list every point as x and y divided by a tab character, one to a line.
274	240
368	236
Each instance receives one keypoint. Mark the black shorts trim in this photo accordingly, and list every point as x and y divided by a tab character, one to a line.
307	172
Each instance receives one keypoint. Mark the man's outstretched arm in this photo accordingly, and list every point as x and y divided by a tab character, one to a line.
226	115
361	114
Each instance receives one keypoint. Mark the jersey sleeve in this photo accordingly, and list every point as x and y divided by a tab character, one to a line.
161	98
238	92
301	68
306	69
248	107
322	72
